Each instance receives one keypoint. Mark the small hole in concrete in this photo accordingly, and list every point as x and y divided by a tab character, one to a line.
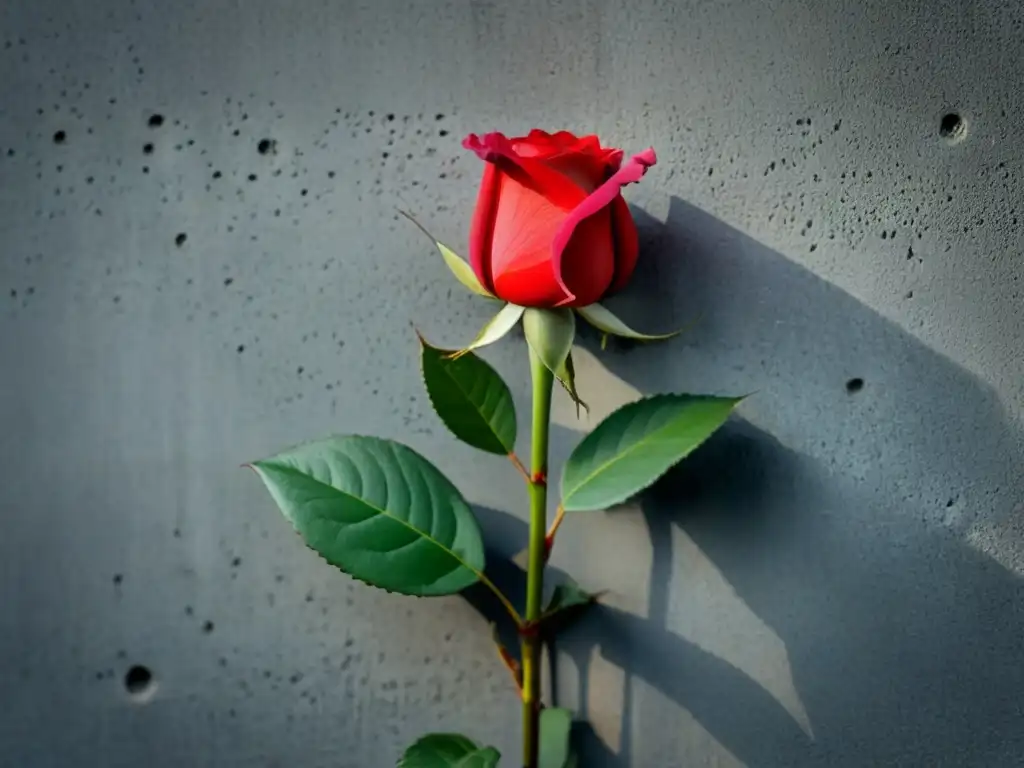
180	238
266	146
207	627
147	149
138	681
855	385
952	128
60	137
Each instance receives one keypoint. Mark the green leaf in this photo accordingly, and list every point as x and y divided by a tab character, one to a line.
567	596
605	321
487	757
555	725
462	271
496	328
636	445
448	750
471	398
550	333
378	511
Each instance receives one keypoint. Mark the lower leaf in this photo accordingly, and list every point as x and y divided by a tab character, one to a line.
380	512
555	726
567	596
487	757
448	750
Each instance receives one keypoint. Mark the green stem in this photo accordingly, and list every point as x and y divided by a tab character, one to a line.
542	385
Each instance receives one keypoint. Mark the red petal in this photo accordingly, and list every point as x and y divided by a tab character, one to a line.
627	243
588	262
530	172
631	172
483	223
520	257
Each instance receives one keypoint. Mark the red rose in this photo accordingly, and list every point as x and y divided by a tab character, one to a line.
550	226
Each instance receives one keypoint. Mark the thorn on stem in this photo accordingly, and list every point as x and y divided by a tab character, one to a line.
549	539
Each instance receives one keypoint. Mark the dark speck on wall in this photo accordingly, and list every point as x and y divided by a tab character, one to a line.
60	137
180	238
155	121
138	679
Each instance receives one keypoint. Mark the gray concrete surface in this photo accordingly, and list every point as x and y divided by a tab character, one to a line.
834	580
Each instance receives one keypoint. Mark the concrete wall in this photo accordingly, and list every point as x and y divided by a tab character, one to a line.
834	580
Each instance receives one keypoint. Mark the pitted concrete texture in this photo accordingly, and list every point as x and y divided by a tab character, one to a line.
202	263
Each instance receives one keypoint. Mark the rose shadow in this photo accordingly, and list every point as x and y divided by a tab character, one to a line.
850	542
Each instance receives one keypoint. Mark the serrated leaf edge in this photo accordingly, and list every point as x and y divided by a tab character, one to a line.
255	467
619	499
451	353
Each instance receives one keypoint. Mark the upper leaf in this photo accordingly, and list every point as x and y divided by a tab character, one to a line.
637	444
462	271
380	512
448	750
555	725
471	398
